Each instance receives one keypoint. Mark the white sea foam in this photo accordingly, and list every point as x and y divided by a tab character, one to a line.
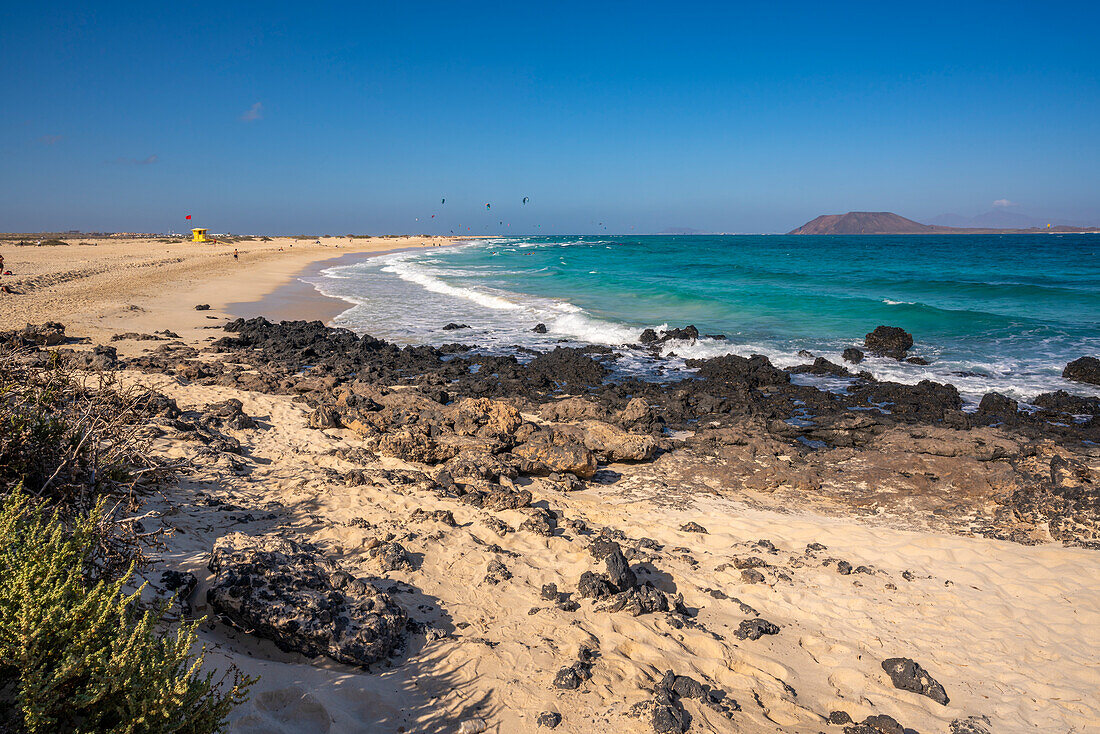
423	277
406	297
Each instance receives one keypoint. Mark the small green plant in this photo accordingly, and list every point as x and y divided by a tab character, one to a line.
82	656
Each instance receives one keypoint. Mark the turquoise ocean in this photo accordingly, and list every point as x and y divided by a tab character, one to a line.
990	312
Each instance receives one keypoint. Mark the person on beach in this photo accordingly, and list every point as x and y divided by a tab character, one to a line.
1	264
235	257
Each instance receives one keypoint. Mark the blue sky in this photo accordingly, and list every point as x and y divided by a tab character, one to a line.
314	118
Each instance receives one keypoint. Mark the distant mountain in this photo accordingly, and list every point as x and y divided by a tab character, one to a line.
992	219
890	223
864	223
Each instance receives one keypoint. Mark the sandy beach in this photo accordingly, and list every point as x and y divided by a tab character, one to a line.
110	286
772	580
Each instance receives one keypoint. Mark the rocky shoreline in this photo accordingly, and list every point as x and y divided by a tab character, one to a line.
504	445
999	471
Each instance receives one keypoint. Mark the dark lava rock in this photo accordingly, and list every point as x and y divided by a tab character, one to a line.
231	413
687	687
693	527
637	601
549	719
497	572
805	354
877	724
550	592
202	307
754	371
840	717
669	719
822	366
594	586
567	679
1063	402
888	341
284	591
100	358
453	326
752	576
392	557
183	583
540	329
843	568
541	523
618	571
926	401
686	333
971	725
570	678
908	675
49	334
853	355
995	404
918	360
601	548
570	367
649	336
754	629
1085	369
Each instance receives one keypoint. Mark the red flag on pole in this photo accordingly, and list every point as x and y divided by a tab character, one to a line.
188	216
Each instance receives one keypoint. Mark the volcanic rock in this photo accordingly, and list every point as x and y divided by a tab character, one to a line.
877	724
569	367
908	675
289	593
888	341
754	629
1085	369
754	371
853	355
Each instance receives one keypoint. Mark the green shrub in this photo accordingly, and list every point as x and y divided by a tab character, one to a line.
80	656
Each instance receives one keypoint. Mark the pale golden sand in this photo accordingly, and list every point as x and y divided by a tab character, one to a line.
1009	630
116	286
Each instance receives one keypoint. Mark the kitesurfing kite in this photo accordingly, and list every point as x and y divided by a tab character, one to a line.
525	200
442	201
487	206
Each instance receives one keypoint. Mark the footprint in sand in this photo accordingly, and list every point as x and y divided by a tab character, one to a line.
290	709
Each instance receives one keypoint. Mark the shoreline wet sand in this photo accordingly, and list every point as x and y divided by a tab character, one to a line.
106	286
300	300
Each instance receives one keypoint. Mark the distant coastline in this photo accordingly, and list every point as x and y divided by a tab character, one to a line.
854	223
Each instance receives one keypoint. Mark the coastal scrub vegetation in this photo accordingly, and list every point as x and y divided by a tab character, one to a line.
78	652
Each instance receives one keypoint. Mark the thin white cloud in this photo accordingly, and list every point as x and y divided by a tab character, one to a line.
1004	203
255	112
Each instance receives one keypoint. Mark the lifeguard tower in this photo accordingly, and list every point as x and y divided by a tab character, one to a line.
199	235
